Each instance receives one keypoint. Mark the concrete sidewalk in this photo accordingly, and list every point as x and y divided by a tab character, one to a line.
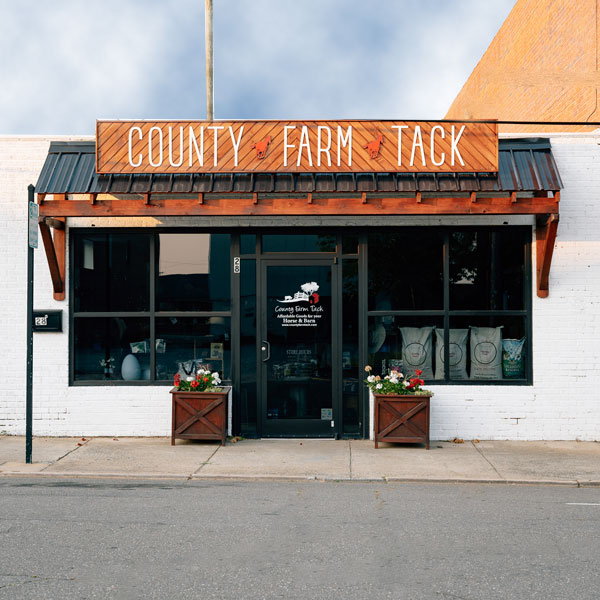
561	463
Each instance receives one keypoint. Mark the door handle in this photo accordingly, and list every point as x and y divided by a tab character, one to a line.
266	347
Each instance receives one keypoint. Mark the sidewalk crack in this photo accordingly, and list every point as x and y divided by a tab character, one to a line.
350	465
80	445
487	460
204	463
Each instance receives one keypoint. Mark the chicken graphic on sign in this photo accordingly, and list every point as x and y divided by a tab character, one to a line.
373	147
262	147
308	294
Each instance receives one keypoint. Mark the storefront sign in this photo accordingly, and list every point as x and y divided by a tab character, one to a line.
302	309
47	320
295	146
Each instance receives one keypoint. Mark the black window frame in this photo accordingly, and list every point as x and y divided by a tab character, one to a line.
447	314
152	314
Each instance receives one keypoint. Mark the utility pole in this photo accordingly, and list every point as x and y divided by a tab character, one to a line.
208	35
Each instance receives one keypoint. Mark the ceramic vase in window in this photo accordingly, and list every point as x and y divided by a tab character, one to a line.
130	368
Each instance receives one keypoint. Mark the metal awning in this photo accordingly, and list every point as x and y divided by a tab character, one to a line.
525	165
527	182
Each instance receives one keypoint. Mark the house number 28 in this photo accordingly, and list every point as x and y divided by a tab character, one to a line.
236	264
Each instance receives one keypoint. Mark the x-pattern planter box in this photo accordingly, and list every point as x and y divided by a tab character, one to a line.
199	415
402	418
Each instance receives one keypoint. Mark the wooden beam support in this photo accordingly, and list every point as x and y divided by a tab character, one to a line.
473	197
309	198
54	223
201	198
545	234
363	197
331	205
93	198
147	199
418	197
55	254
513	197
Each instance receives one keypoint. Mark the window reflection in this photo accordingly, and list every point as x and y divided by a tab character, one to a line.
406	270
298	243
111	272
193	272
487	269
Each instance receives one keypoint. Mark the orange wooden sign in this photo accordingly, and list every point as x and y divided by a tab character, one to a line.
295	146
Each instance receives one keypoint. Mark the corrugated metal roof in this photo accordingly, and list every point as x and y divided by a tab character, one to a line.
524	165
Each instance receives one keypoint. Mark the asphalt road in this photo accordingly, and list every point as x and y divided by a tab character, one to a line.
161	539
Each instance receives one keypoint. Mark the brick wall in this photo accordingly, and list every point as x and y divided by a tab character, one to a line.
563	403
542	66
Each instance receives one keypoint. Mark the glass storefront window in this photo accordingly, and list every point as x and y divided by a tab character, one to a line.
193	272
351	372
403	344
112	272
112	348
490	348
350	243
248	408
248	243
186	343
487	269
298	243
406	269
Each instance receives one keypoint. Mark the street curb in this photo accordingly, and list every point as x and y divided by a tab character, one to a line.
297	478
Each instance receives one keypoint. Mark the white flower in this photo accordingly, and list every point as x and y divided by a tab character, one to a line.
189	379
393	380
379	386
405	383
371	378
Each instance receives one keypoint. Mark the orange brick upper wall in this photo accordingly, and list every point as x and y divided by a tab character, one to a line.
541	66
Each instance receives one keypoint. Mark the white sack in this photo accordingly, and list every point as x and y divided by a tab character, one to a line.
416	350
458	353
486	352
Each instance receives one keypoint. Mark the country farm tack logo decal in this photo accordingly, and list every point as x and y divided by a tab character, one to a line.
302	309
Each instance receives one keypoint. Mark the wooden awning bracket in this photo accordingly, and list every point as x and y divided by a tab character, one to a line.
55	247
545	234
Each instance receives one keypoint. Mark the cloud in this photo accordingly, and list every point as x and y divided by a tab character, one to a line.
65	63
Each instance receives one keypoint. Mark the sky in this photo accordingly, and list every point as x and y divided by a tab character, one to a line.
66	63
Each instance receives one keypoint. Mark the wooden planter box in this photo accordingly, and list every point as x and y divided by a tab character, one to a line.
199	415
402	419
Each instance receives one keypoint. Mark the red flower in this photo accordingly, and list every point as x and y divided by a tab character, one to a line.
194	384
176	382
418	372
205	379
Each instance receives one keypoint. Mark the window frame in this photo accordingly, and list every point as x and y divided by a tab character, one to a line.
152	314
447	314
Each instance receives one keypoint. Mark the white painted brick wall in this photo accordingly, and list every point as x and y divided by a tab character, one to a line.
563	403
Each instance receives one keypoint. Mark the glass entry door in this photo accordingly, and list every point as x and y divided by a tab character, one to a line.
296	348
